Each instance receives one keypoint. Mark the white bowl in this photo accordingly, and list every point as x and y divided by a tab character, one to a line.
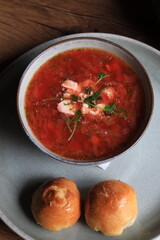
83	42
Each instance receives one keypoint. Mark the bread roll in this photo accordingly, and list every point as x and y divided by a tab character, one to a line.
110	207
56	204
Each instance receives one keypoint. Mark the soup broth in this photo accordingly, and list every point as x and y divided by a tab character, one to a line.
84	104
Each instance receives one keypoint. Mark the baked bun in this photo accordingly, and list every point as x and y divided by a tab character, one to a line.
56	204
110	207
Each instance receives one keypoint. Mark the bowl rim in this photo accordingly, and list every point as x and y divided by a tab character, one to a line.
97	161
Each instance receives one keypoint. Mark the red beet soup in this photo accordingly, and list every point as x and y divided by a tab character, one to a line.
85	104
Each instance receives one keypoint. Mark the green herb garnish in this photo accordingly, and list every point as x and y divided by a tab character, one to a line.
68	122
112	108
88	90
100	77
121	112
74	97
67	104
89	100
76	118
109	108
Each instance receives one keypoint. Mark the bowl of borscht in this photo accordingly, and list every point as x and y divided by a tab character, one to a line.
85	100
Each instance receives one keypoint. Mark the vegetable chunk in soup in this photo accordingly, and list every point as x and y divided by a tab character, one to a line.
84	104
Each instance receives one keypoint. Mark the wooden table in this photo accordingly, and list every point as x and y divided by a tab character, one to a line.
27	23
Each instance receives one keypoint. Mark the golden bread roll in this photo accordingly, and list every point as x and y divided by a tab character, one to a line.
110	207
56	204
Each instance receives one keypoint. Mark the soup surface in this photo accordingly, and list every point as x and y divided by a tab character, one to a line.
84	104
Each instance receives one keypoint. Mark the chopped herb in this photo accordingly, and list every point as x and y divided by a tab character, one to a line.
112	108
88	90
74	97
109	108
100	77
67	104
89	100
121	112
68	122
76	118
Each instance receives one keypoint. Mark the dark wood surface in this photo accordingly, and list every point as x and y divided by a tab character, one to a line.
27	23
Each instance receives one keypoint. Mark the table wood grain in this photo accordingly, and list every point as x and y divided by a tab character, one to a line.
27	23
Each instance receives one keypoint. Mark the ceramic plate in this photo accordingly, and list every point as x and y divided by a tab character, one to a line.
23	166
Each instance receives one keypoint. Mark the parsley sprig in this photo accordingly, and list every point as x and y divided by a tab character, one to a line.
89	100
88	90
100	77
74	97
68	122
75	120
110	108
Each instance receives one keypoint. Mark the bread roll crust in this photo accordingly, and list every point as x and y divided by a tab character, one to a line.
56	204
110	207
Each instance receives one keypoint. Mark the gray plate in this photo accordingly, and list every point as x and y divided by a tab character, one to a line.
23	166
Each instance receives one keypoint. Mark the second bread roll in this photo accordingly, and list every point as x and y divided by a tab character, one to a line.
110	207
